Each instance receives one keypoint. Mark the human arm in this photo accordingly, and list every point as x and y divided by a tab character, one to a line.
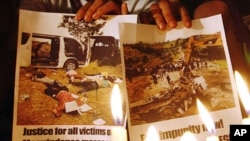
55	6
95	9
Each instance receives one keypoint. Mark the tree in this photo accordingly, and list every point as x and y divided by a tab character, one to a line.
82	30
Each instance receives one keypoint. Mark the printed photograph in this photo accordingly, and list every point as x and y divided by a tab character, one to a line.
66	72
166	78
82	96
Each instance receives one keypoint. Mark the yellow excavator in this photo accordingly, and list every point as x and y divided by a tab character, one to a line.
201	41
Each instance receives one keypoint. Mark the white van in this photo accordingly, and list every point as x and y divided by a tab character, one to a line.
52	51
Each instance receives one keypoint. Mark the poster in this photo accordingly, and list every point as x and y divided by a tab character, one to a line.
167	71
65	72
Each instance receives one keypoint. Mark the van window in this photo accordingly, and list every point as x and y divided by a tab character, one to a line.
43	50
74	49
25	38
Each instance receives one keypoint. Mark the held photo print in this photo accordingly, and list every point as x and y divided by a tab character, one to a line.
65	73
167	71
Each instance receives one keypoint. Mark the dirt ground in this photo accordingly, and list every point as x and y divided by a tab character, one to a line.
34	107
36	110
217	96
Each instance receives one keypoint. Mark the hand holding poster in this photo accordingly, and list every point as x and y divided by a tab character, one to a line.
166	71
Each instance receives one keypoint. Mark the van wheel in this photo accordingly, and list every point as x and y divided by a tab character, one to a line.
70	64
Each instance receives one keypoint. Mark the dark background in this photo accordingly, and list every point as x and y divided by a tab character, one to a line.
8	40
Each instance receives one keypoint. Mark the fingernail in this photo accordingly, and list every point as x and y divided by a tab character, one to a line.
188	24
77	18
95	16
162	26
172	24
87	18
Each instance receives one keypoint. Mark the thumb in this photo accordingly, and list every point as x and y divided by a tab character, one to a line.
124	8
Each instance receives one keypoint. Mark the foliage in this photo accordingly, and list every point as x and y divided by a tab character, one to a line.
82	30
174	50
